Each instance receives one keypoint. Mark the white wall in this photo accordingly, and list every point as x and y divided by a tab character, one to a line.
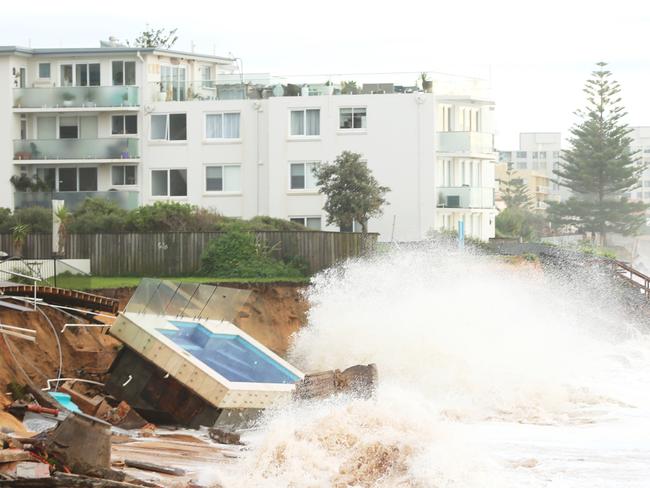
397	144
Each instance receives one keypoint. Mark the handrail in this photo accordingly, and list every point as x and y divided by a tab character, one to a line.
644	284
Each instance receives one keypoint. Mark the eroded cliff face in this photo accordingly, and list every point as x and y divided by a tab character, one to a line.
271	315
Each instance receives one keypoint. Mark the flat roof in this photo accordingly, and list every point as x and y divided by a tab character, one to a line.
109	50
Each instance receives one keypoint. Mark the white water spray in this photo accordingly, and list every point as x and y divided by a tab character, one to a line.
468	348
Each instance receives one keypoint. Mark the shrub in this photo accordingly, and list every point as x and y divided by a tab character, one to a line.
97	215
237	254
38	219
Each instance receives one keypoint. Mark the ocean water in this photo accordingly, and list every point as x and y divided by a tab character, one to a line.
490	375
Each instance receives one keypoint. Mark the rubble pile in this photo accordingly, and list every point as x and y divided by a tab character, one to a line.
171	404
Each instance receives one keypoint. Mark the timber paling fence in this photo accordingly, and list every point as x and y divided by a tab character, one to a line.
179	253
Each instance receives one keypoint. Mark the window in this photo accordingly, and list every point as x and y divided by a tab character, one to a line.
169	127
206	76
124	124
505	156
352	118
123	175
305	122
521	165
66	75
23	127
48	176
309	222
84	74
521	154
169	183
222	126
87	74
172	80
123	73
43	70
302	176
69	128
556	154
535	155
646	183
223	178
75	179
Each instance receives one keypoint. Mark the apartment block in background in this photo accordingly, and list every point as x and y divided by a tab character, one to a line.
136	126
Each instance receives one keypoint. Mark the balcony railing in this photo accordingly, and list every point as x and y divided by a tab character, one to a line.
255	89
40	149
465	197
77	97
128	200
465	142
541	189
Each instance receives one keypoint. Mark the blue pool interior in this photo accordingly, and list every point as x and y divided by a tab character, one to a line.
230	355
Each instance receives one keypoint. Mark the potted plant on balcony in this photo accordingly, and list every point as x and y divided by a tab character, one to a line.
329	87
427	84
21	182
68	98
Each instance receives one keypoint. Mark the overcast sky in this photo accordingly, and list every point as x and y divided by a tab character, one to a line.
537	54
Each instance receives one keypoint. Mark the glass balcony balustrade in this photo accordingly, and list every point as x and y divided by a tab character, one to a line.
76	97
465	142
57	149
465	197
128	200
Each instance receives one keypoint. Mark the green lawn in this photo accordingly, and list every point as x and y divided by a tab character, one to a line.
98	282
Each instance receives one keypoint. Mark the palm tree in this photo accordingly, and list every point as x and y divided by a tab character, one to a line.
63	215
19	233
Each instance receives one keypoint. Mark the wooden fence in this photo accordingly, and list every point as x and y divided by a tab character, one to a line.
179	253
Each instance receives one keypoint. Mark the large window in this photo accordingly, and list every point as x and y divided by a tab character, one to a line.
222	126
124	175
226	178
124	124
173	81
83	74
123	73
44	70
69	128
169	182
305	122
309	222
352	118
69	179
169	127
302	175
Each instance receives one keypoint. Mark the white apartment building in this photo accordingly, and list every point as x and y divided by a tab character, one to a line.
138	125
539	152
641	143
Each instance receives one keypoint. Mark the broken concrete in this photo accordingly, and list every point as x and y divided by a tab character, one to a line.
81	442
358	380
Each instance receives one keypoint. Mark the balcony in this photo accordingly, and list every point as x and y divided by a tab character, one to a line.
76	149
465	142
128	200
541	189
465	197
86	97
